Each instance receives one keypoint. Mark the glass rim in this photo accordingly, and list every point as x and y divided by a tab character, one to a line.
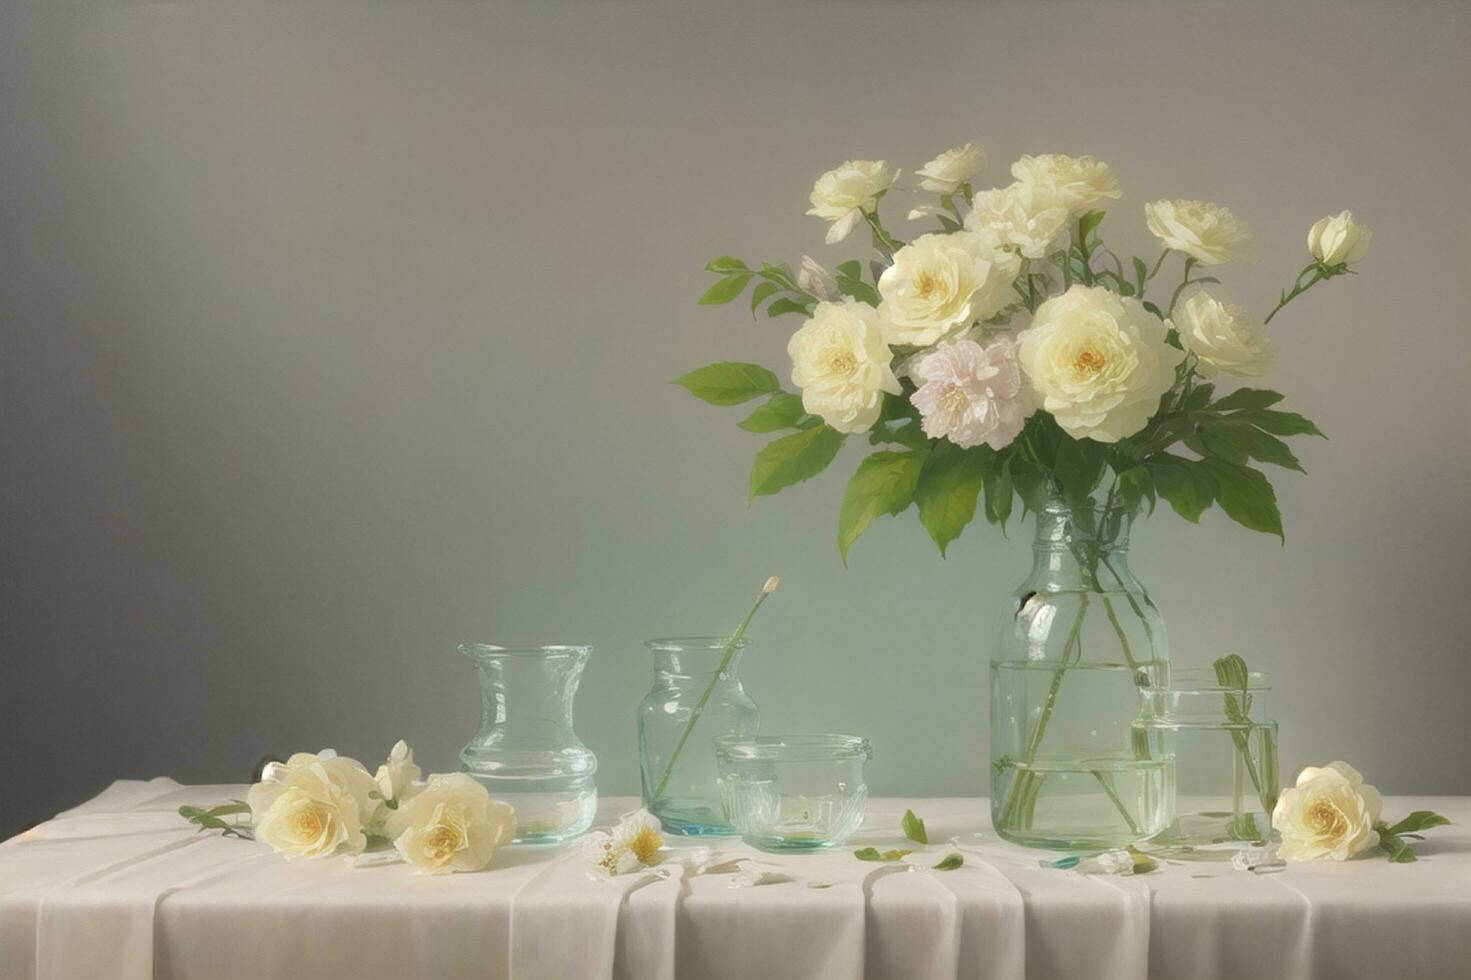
792	748
694	644
483	651
1204	680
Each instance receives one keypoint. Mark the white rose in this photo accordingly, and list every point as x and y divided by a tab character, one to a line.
1208	232
303	811
1335	240
1099	361
946	172
1329	813
347	774
841	196
1028	217
1223	337
842	365
1077	183
940	284
452	824
399	773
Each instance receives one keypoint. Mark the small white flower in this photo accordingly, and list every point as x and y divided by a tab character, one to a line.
1077	183
812	277
1338	239
1329	813
841	195
452	824
1209	233
1028	217
1099	361
940	284
1223	337
634	843
973	394
946	172
842	365
399	773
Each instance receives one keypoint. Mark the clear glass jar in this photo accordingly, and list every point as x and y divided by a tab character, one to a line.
1077	644
688	678
1222	750
526	752
794	792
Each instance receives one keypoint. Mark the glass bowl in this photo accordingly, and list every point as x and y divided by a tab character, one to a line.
793	792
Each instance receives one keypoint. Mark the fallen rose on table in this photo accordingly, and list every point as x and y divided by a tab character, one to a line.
1333	813
320	804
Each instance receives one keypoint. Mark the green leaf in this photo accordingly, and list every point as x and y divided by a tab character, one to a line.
1135	484
1154	308
725	290
729	382
1079	467
1285	424
1238	441
760	293
874	854
785	305
998	493
1030	481
950	862
1198	398
782	411
1087	223
1246	496
794	458
914	828
1247	399
852	269
949	486
726	263
1419	820
883	484
859	290
1141	273
1186	485
1395	849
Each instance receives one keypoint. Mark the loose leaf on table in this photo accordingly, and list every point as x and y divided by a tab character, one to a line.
914	828
950	862
883	484
794	458
1418	821
212	818
948	488
1246	496
729	382
874	854
783	410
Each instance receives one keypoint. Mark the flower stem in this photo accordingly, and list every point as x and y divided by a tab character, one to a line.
730	649
1299	287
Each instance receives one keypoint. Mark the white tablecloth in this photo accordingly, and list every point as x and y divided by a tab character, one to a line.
121	887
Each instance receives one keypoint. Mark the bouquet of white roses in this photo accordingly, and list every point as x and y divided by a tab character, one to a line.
1010	353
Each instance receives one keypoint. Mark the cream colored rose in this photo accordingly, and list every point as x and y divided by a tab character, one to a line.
347	774
841	196
1338	239
452	824
1076	183
1099	361
842	365
396	776
946	172
1223	337
940	284
1209	233
1028	217
305	812
1329	813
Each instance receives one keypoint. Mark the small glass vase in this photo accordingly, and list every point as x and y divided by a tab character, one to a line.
794	792
685	796
526	753
1222	750
1079	642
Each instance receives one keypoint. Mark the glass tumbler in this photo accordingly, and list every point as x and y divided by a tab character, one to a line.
793	792
526	752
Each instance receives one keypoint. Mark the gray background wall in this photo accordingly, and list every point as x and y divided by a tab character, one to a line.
335	335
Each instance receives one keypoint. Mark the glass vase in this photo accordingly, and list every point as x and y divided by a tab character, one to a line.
794	792
526	752
677	760
1078	644
1222	749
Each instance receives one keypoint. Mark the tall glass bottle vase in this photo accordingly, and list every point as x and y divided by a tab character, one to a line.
677	759
526	752
1077	645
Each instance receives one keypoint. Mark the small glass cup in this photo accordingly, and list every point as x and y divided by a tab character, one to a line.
793	792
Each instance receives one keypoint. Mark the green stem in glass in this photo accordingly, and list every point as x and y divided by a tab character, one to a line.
730	649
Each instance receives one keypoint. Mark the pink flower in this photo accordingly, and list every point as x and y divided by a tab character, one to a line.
972	394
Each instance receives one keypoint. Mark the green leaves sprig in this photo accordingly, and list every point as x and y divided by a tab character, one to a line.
212	818
1393	840
771	280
